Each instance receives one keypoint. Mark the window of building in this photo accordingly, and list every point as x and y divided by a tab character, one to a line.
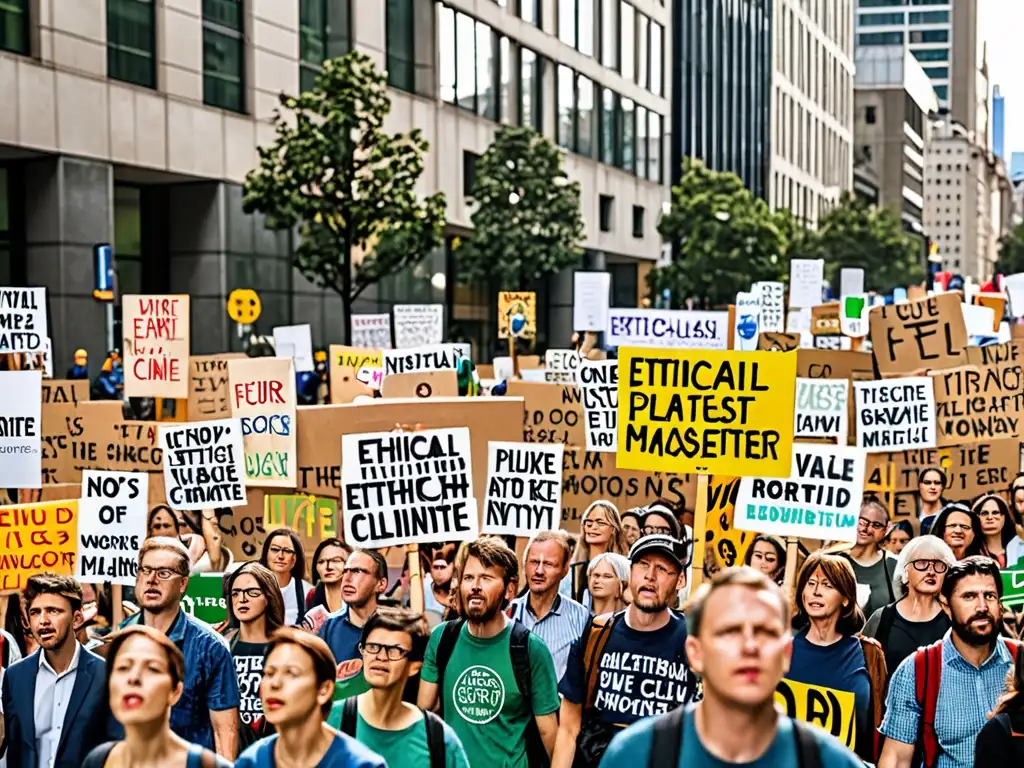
128	238
643	31
529	89
881	19
654	165
611	134
325	32
929	35
929	17
566	94
605	205
932	54
880	38
446	53
487	73
131	41
586	122
627	40
641	142
638	221
468	171
942	92
14	21
657	57
224	54
400	34
585	27
505	74
530	11
610	34
870	116
465	62
937	73
628	118
567	21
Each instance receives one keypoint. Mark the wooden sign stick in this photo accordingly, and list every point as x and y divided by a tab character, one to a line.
700	527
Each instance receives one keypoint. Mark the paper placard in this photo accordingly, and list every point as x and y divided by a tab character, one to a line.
927	334
371	331
524	489
313	518
21	429
560	366
407	487
552	413
896	414
517	302
208	386
833	711
111	526
439	357
676	328
806	282
853	315
822	406
819	500
60	399
263	401
295	342
156	345
204	598
976	404
728	413
1014	287
344	365
599	390
851	281
591	291
418	325
773	309
204	464
37	538
748	317
23	320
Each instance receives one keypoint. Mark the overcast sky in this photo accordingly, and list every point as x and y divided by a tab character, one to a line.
1002	22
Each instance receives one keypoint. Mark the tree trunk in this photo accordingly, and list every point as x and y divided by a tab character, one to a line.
346	288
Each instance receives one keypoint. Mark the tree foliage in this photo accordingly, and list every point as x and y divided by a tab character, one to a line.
527	222
346	184
1011	252
727	239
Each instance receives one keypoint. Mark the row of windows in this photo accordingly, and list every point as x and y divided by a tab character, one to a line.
931	54
325	32
896	38
14	26
809	65
475	65
888	3
224	54
887	19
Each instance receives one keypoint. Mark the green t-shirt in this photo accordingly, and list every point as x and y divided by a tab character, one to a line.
482	702
408	748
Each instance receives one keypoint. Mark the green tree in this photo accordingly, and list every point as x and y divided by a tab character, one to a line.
346	184
858	234
527	223
1011	252
727	239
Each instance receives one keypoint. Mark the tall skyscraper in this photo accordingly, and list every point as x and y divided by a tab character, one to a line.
998	123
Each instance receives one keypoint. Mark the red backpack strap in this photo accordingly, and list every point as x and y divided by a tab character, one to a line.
927	679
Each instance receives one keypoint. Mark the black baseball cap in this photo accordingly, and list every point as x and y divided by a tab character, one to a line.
661	544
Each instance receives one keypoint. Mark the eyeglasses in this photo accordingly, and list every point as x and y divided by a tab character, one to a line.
332	561
162	574
599	524
281	551
355	572
957	527
936	565
872	524
650	530
253	593
990	513
392	652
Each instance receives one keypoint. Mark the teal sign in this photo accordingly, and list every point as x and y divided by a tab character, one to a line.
1013	587
204	598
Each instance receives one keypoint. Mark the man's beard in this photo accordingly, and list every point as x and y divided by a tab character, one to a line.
969	636
484	614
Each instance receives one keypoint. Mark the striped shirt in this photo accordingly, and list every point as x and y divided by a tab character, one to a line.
559	629
966	695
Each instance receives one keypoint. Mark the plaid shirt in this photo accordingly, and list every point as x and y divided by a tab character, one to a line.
966	695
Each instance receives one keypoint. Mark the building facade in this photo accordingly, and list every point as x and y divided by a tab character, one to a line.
998	123
134	122
812	106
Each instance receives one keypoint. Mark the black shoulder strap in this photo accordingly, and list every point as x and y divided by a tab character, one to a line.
888	576
807	753
667	740
885	622
435	739
350	716
445	646
98	757
300	601
519	650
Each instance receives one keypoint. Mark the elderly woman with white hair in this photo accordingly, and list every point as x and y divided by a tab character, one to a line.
608	583
916	618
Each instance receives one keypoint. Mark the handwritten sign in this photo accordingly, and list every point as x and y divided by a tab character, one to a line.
560	366
208	387
59	417
156	346
418	325
832	710
895	415
974	404
21	417
23	320
747	320
263	401
552	413
511	303
773	310
524	488
806	280
111	526
35	538
1013	587
728	413
371	331
822	407
204	598
678	328
345	363
590	300
599	390
914	336
204	464
313	518
439	357
295	342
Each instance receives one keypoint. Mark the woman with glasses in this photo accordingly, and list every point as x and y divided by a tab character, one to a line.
284	555
997	526
328	564
608	583
601	531
960	528
931	482
916	618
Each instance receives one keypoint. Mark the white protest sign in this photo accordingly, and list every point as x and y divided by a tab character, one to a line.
22	319
895	414
418	325
21	413
821	408
591	292
820	499
677	328
599	392
806	281
979	320
853	315
1014	287
371	331
111	526
560	365
748	321
371	377
799	321
773	306
503	367
204	464
48	359
851	281
439	357
408	487
533	375
295	341
524	488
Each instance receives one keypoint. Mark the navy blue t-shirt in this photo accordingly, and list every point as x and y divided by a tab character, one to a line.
640	673
341	636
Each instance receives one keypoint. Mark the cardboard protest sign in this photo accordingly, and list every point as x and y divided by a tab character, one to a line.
204	598
703	411
747	320
23	320
344	366
1013	587
418	325
806	282
36	538
552	413
101	438
313	518
408	487
825	320
560	366
777	342
677	328
112	516
973	404
599	390
204	464
156	345
993	354
21	428
295	342
896	414
60	399
834	711
725	544
819	500
421	384
511	303
263	401
590	296
927	334
439	357
371	331
208	386
524	489
822	408
773	309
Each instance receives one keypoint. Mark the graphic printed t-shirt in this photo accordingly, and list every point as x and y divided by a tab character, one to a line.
640	673
249	668
482	702
408	748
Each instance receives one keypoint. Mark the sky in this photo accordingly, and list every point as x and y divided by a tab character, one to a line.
1002	22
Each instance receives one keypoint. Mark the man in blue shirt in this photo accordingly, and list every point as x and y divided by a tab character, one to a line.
363	580
207	712
738	641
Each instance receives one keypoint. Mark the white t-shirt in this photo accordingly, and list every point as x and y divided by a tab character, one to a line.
291	607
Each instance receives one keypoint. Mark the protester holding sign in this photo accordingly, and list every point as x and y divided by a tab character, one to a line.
284	555
998	527
873	567
601	527
960	528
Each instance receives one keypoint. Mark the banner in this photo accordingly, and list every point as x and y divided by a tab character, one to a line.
263	401
37	538
676	328
23	320
512	303
822	408
834	711
295	342
204	464
21	429
599	383
979	403
916	336
156	345
313	518
727	413
418	325
819	500
408	487
439	357
896	414
371	331
111	526
524	489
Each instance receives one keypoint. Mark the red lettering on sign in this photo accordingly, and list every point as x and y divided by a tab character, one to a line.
157	368
259	393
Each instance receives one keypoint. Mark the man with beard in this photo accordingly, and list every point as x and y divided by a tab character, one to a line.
963	676
207	712
55	700
631	664
363	580
477	669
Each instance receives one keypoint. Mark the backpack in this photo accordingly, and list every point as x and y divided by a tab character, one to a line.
927	679
667	742
592	641
433	723
519	652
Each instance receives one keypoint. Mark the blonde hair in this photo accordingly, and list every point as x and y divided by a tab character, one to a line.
167	544
618	540
561	537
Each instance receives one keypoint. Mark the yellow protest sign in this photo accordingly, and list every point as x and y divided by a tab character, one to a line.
345	364
512	303
35	538
725	545
708	411
832	710
314	518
